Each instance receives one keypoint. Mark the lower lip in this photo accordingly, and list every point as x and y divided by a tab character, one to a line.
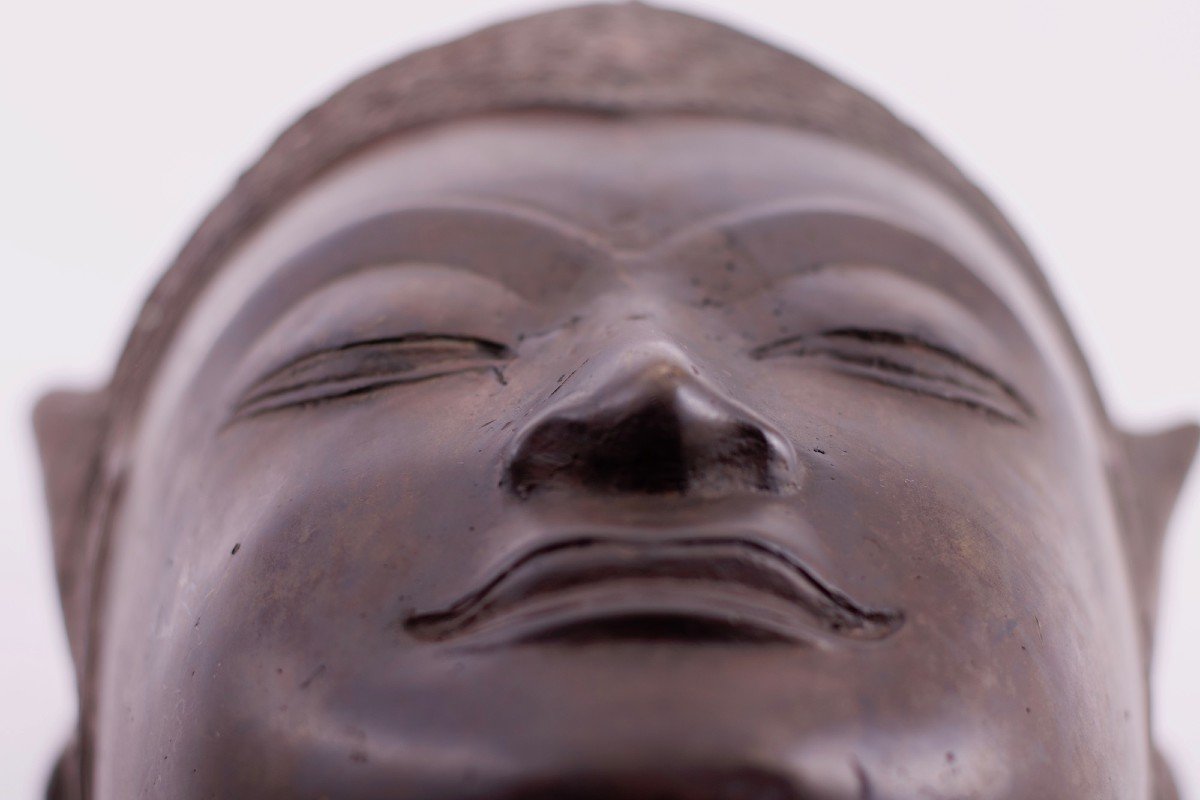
647	610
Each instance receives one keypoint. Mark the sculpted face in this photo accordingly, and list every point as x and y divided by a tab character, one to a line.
549	456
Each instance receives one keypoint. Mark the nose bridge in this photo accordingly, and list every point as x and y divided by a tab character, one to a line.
659	373
649	367
644	418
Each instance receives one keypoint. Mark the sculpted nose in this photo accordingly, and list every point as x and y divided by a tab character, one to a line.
651	426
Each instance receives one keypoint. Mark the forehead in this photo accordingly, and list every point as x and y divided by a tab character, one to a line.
630	181
627	185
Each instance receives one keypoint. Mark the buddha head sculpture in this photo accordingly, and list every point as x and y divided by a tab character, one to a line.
606	404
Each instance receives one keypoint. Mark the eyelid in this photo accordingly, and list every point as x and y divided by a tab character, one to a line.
826	343
294	382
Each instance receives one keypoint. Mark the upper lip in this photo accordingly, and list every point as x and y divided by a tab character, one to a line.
742	583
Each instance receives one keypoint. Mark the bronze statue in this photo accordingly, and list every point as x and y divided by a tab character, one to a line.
606	404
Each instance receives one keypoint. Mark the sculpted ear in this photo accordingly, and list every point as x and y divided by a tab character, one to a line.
70	427
1155	466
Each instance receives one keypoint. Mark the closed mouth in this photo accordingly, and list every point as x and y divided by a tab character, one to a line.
732	589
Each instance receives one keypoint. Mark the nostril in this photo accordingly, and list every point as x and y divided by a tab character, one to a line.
657	447
743	453
639	452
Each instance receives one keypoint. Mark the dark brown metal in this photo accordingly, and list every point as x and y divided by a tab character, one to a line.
541	454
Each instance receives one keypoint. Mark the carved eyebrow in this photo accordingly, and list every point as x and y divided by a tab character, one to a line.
897	339
923	255
444	232
523	213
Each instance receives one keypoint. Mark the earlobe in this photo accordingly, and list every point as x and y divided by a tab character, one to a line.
70	427
1154	467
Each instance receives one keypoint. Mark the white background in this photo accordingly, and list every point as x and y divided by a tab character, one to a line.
122	121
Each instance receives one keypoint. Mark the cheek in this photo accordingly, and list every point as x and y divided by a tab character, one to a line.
388	480
242	557
998	542
306	504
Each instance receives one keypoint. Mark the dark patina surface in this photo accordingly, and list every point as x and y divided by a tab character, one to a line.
621	432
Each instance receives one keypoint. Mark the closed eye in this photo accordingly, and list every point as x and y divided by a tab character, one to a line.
909	363
366	366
